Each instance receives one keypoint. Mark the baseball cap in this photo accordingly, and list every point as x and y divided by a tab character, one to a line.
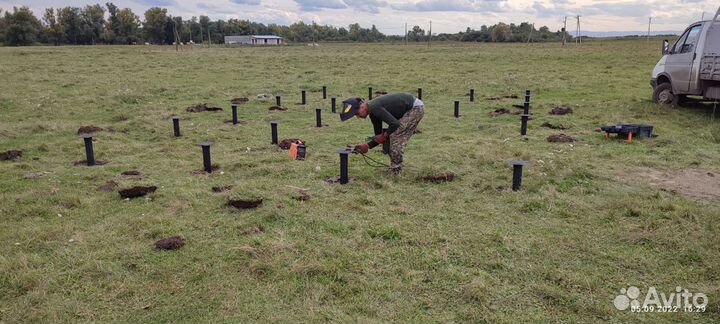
350	107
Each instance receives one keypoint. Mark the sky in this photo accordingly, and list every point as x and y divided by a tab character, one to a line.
447	16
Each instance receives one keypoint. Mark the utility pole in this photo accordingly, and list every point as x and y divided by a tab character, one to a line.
578	39
430	34
406	34
703	16
649	23
564	31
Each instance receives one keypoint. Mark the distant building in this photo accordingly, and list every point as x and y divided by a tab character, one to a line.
254	40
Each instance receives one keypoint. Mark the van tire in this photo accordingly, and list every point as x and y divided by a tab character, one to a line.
664	95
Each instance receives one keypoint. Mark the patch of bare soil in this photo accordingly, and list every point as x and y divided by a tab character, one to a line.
201	108
440	178
108	186
257	229
245	204
560	138
131	173
84	162
511	97
213	166
694	183
240	122
36	175
239	100
170	243
302	196
136	192
221	189
492	98
277	108
335	180
380	93
12	155
89	130
499	112
561	110
554	126
285	144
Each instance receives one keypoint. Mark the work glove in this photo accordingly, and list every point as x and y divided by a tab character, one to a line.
362	148
380	139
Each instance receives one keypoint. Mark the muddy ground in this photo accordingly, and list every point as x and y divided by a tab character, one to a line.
560	138
108	186
554	126
136	192
245	204
277	108
221	189
12	155
561	110
89	130
170	243
439	178
239	100
202	108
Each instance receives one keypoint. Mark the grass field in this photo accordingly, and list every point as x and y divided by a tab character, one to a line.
589	221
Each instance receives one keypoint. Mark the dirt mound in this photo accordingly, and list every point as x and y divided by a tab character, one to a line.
108	186
84	162
239	100
303	196
694	183
277	108
136	192
12	155
245	204
201	108
131	173
214	167
511	97
170	243
221	189
554	126
560	138
380	93
89	130
257	229
499	112
492	98
285	144
561	110
440	178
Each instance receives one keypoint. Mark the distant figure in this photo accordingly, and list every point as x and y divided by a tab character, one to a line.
402	113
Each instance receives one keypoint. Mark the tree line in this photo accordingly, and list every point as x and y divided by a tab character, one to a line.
109	24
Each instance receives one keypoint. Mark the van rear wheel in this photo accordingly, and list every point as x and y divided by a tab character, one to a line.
664	95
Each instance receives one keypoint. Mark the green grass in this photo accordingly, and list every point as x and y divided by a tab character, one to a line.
378	250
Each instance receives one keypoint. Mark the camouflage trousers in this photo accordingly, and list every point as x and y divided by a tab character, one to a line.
400	137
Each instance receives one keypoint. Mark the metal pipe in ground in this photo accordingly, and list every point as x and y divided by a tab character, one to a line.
517	173
234	114
472	95
89	152
176	126
524	124
207	163
274	132
457	109
344	154
318	117
420	93
370	93
324	91
278	101
303	94
333	104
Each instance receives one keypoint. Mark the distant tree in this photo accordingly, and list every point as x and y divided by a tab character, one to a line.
129	25
416	34
501	33
93	23
22	27
53	31
3	27
154	25
72	24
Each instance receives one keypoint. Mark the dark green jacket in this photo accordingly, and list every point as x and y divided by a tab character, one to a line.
388	108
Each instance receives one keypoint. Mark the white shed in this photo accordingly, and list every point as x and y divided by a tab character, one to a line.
254	40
